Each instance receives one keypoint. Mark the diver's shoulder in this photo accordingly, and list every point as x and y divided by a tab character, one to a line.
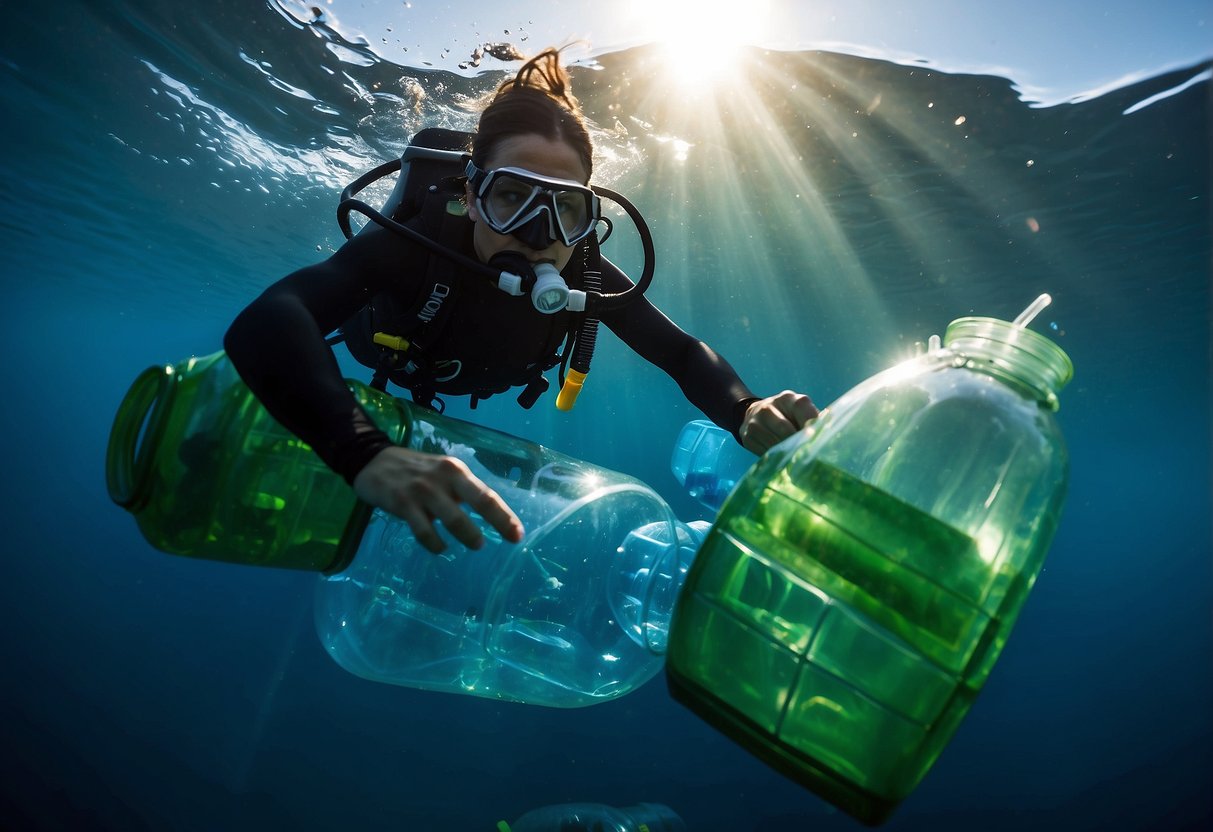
376	248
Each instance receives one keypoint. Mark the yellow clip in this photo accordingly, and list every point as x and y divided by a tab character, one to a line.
392	342
571	389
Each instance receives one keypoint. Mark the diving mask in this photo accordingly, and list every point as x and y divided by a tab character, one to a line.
539	210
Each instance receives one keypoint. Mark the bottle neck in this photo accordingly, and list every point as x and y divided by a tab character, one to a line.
648	576
1011	353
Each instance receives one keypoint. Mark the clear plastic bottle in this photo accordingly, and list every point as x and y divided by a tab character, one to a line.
859	584
597	817
575	614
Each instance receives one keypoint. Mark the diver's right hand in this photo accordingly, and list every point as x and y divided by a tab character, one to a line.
421	488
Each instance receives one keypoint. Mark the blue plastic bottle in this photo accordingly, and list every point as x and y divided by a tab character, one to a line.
708	462
597	817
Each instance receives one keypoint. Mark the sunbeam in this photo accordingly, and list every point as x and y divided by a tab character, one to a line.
729	162
700	39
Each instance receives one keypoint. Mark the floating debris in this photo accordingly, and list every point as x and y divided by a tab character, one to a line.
500	51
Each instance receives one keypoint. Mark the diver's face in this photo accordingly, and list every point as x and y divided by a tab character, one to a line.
541	155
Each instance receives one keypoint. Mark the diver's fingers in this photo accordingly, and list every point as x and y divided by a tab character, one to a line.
797	408
419	488
422	526
488	504
773	419
443	493
457	522
757	438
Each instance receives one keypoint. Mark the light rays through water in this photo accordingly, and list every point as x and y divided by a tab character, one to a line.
828	186
734	172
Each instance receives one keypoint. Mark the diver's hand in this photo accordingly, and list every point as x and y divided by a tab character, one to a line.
421	488
771	420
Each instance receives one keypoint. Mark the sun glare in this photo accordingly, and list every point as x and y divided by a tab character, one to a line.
701	38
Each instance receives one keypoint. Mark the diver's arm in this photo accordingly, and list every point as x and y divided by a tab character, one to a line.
707	380
277	345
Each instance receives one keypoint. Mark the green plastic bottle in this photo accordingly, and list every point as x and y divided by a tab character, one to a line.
208	473
861	580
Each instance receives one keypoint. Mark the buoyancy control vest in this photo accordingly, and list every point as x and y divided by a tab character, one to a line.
455	335
451	332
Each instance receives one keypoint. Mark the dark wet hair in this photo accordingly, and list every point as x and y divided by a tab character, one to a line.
538	100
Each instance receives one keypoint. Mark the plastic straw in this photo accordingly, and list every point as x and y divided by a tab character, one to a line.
1026	316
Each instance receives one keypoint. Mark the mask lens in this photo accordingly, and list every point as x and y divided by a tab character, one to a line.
573	208
506	199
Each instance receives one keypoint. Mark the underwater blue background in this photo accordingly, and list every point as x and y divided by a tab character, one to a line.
164	162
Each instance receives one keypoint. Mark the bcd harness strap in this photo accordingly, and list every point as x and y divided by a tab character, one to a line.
404	345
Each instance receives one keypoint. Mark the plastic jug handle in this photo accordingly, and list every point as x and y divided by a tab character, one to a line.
136	433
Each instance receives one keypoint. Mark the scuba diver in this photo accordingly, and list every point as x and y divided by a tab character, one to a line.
469	286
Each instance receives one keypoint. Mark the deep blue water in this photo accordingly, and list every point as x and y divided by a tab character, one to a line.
164	162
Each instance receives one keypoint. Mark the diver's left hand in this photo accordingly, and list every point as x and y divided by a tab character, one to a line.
771	420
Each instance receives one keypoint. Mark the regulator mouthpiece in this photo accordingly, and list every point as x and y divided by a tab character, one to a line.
551	293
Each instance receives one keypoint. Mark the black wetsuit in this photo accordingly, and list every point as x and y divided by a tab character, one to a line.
277	343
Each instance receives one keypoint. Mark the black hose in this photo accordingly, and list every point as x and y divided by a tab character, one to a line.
343	219
599	302
587	332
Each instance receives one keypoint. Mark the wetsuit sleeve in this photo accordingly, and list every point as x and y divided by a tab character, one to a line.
277	346
707	380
